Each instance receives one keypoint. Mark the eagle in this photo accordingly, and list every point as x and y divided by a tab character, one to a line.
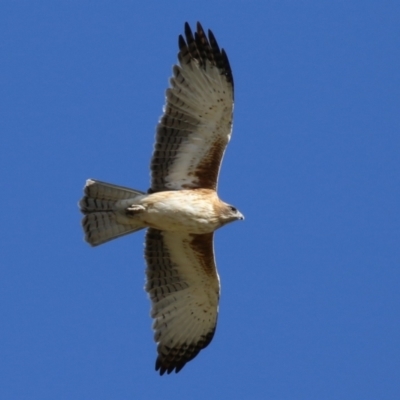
181	210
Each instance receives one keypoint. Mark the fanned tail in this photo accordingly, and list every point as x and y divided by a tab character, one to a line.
104	207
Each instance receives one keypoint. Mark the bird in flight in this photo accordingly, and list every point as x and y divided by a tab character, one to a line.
181	210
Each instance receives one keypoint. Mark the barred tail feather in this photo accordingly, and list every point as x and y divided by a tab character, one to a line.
103	226
104	207
105	196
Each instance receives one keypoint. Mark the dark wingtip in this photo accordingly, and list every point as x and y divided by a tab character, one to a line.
162	369
188	30
213	41
199	28
181	42
159	367
204	48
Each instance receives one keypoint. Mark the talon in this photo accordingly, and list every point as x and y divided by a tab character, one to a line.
134	209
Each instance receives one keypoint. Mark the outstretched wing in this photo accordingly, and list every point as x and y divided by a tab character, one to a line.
196	126
183	285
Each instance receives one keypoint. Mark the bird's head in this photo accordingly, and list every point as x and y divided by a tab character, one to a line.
230	213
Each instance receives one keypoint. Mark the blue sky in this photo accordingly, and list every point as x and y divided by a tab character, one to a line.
310	299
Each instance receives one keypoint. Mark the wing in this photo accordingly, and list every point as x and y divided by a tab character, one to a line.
183	285
196	126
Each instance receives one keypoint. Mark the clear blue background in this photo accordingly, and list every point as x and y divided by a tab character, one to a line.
310	302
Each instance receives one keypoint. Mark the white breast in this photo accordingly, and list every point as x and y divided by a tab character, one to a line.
185	211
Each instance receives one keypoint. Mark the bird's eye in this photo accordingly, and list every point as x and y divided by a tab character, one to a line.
233	209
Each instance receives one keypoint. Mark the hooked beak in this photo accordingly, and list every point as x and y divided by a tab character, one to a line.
240	216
